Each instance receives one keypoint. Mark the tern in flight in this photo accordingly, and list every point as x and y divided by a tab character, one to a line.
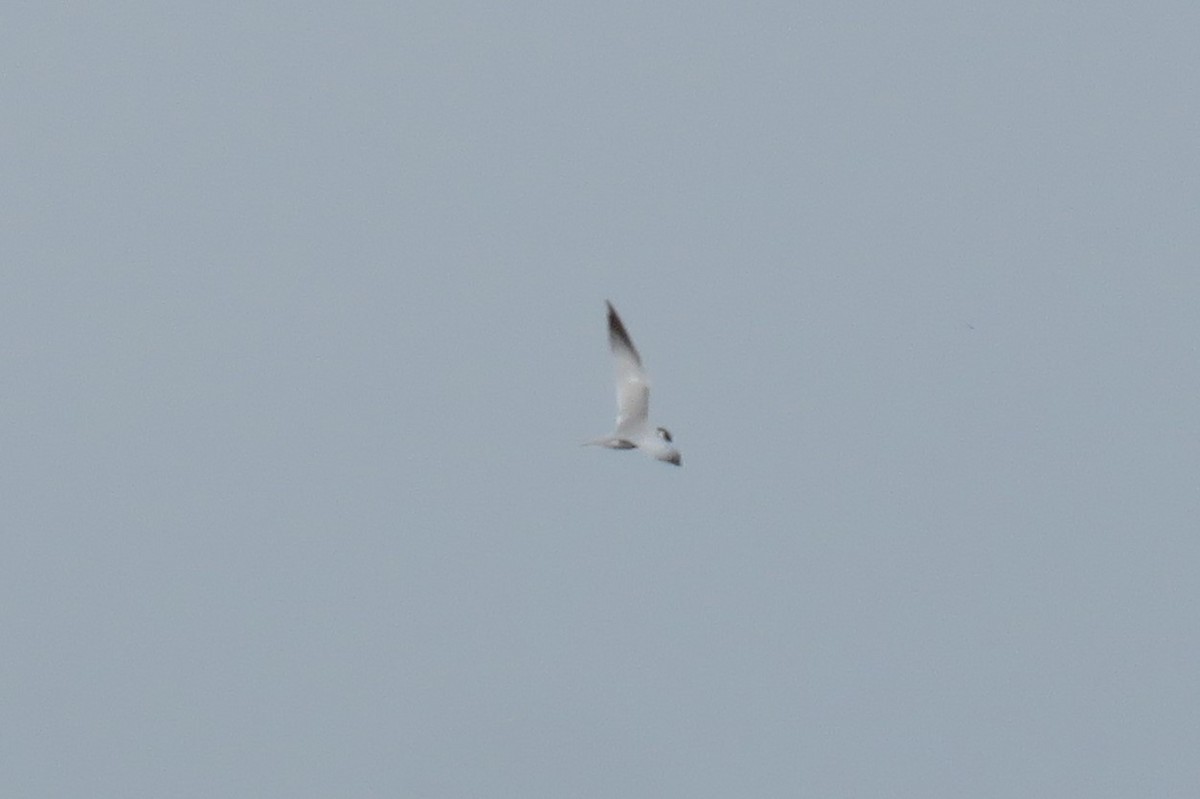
633	401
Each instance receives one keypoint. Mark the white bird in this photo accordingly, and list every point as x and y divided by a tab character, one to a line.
633	401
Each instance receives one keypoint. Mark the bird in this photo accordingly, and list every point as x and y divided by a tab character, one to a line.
633	401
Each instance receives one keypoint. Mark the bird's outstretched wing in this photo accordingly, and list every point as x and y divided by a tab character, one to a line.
633	390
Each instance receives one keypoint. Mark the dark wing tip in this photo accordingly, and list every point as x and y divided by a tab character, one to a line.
618	335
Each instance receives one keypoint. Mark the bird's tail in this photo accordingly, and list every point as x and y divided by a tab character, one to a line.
611	442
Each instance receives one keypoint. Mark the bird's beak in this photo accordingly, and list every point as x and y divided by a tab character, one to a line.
675	459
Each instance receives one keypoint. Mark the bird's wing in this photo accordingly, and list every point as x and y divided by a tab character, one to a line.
633	390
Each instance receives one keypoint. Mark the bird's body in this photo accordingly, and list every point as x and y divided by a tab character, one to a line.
633	401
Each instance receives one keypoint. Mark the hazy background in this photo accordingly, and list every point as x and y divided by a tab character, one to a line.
302	322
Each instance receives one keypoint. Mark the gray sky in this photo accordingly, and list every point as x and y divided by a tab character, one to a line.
302	310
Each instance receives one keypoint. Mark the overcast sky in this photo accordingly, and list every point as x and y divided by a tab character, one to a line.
302	323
